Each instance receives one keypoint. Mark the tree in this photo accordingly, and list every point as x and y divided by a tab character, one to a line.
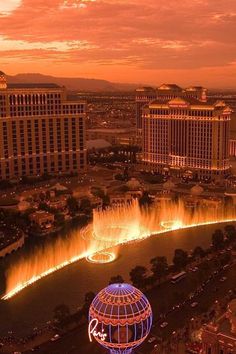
72	205
159	267
198	252
225	258
97	192
230	233
85	206
180	259
118	279
59	219
61	313
138	276
218	240
44	206
88	298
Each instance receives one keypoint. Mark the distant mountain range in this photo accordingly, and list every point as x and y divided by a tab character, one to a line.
73	84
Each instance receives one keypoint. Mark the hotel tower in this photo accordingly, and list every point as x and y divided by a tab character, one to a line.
182	133
41	131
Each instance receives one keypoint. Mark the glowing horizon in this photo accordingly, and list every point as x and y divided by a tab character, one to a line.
83	38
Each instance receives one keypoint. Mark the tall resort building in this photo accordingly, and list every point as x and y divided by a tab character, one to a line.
41	131
184	134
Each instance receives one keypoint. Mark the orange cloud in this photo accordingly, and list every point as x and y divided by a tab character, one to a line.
122	40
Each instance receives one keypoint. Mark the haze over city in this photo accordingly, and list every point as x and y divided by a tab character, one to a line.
122	40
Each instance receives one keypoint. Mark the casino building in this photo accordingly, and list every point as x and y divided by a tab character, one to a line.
145	95
183	134
219	337
41	131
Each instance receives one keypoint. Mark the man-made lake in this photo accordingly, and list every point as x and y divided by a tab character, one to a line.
34	305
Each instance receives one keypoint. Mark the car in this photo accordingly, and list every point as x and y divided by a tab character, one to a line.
151	340
223	279
194	304
164	324
55	337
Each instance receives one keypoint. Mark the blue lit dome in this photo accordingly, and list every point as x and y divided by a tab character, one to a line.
120	317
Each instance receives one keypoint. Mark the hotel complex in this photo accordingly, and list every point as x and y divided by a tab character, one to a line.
219	337
41	132
145	95
183	133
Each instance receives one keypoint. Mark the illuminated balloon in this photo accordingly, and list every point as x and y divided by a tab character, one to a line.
120	318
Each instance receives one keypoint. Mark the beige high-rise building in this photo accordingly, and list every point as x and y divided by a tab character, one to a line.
41	131
145	95
186	136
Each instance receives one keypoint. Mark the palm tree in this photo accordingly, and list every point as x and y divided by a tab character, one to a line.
88	298
198	252
230	232
180	259
218	240
159	267
118	279
138	276
72	205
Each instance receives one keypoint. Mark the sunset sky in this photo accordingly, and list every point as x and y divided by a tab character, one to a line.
150	41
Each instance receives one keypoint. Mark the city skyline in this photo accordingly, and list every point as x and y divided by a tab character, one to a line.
139	44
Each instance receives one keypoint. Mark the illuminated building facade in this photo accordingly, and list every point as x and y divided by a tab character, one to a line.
220	337
232	149
184	135
145	95
40	130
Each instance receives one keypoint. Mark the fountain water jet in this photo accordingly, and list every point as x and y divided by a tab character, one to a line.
102	257
111	227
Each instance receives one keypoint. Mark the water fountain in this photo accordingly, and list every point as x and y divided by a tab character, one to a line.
98	241
102	257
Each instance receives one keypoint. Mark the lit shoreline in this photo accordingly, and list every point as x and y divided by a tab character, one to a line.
62	265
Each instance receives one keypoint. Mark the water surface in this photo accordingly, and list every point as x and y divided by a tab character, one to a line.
35	304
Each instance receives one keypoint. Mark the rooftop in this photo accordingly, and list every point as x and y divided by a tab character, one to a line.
8	235
225	328
170	87
145	88
187	101
32	85
111	130
97	144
